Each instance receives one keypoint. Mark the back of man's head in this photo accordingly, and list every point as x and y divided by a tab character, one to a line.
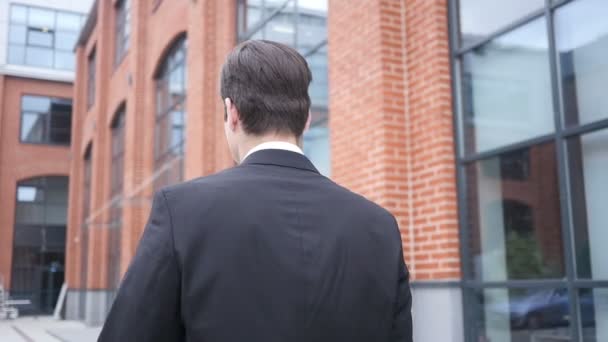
268	83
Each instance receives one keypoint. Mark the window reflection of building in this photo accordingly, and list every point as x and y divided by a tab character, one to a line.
535	186
39	242
302	25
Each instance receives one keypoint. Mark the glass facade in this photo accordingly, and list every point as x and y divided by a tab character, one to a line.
46	120
301	24
42	37
532	134
39	242
169	135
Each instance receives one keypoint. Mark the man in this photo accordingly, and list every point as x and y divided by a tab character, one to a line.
269	250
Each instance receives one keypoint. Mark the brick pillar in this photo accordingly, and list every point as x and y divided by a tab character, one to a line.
391	121
211	35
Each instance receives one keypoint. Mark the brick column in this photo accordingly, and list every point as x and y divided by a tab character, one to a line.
391	121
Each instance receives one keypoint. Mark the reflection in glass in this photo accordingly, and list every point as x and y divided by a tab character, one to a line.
514	216
39	243
593	311
522	315
18	14
588	170
507	89
282	27
46	120
479	18
582	42
17	34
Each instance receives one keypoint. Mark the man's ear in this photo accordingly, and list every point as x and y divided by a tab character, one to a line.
308	120
232	114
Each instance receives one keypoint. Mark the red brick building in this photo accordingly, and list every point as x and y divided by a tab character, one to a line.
463	118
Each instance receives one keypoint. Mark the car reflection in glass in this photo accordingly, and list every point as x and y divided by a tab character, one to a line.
546	308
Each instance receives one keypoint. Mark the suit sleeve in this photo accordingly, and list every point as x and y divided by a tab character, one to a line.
147	306
402	330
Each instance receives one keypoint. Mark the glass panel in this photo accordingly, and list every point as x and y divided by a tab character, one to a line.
582	42
588	162
17	34
68	21
18	14
41	18
65	40
281	28
521	315
507	89
316	145
64	60
318	89
40	38
479	18
30	213
39	104
40	57
312	23
33	127
16	54
514	216
253	14
594	314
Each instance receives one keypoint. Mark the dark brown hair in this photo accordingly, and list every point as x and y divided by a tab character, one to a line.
268	83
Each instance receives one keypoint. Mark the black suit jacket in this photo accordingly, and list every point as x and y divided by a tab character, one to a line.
267	251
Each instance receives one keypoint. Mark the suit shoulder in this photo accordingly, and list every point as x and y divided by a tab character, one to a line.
197	184
364	205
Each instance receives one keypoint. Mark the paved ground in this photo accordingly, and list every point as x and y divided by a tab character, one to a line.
46	329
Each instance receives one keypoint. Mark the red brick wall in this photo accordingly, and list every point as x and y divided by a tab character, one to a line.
391	121
153	31
22	161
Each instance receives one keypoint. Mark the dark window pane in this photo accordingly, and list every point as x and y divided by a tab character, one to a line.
91	70
40	38
17	34
33	127
582	43
122	32
40	57
507	89
18	14
16	54
588	159
515	221
41	18
521	315
594	314
479	18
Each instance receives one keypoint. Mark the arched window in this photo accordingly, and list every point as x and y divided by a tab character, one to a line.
39	242
170	116
116	193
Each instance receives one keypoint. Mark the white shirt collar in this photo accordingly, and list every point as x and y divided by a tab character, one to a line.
275	145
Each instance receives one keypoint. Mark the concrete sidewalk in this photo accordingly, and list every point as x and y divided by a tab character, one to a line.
46	329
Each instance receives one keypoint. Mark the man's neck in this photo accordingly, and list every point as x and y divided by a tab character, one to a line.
251	143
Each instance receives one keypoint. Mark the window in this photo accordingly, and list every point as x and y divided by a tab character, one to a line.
91	70
85	222
170	116
39	242
123	30
116	193
303	25
46	120
43	37
532	137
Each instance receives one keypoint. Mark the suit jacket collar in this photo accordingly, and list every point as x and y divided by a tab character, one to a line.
280	158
